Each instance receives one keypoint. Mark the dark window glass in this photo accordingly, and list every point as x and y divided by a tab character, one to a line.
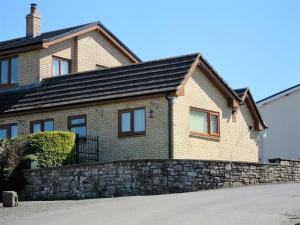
8	131
3	134
42	125
13	131
9	72
4	72
78	121
37	127
126	126
14	70
132	121
77	124
55	67
49	125
64	67
81	131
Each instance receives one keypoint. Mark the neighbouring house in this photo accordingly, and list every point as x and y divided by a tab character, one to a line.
281	112
84	79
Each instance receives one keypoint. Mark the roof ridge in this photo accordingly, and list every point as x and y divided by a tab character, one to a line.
124	66
71	29
278	93
47	32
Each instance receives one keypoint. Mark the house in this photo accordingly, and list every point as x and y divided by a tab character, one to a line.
84	79
281	113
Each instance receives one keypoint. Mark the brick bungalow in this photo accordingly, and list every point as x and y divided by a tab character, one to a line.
84	79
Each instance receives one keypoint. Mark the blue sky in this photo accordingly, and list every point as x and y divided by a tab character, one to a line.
250	43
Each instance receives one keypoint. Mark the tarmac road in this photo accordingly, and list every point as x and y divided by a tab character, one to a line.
256	205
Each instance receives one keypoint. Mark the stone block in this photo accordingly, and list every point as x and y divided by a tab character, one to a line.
10	199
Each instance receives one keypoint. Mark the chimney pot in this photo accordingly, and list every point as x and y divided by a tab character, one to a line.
33	7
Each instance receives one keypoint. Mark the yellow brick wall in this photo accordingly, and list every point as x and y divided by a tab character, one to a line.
236	141
29	67
102	121
93	49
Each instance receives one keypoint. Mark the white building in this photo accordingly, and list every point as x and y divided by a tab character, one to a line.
281	113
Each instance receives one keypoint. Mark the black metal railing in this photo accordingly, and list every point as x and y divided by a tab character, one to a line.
86	149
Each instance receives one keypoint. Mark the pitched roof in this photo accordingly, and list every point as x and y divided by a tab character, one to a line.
279	94
48	37
246	96
159	76
241	91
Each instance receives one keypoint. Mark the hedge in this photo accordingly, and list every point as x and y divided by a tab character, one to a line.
50	149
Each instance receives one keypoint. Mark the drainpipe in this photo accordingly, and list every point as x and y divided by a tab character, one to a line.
171	101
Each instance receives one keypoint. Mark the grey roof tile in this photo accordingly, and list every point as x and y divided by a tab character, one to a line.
159	76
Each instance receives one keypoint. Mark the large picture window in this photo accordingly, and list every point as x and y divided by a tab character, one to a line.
77	124
9	71
204	123
41	125
60	66
8	131
132	121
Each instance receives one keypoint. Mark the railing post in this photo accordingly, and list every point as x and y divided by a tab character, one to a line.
77	148
97	148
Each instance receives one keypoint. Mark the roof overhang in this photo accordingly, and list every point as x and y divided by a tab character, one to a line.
259	124
278	95
201	63
47	43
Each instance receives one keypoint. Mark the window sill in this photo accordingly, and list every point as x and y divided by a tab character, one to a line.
132	135
205	136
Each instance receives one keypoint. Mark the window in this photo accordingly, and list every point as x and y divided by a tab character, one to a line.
42	125
204	123
132	122
9	71
8	131
77	124
60	66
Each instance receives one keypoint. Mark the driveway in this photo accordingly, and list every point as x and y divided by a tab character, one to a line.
266	204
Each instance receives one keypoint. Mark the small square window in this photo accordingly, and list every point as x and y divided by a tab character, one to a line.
60	66
204	123
8	131
42	125
132	122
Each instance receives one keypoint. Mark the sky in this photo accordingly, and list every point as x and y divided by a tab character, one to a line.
251	43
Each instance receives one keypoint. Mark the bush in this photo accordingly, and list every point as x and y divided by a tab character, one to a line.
52	148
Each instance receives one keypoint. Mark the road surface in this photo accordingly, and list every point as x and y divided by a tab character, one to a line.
265	204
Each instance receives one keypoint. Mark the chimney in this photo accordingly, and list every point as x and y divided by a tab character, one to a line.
33	22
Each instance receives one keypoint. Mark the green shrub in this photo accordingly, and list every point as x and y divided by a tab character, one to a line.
52	148
31	157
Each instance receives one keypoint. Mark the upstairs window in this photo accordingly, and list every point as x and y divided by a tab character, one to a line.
132	122
77	124
9	71
204	123
60	66
8	131
42	125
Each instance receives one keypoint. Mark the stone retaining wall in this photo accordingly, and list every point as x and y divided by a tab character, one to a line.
150	177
